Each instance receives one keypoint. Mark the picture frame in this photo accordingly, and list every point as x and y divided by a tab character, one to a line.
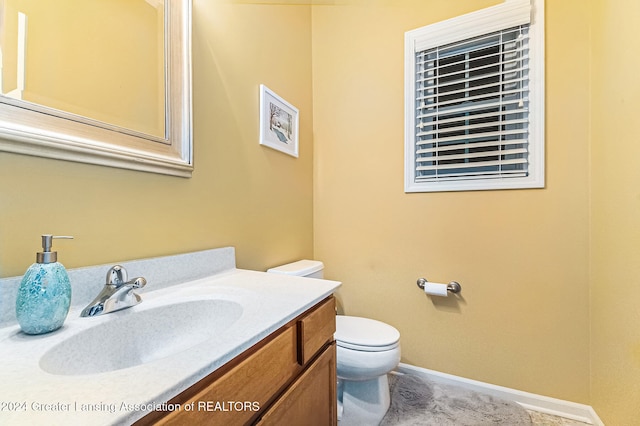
278	122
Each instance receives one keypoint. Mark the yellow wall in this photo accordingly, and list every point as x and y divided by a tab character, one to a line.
615	244
521	256
241	194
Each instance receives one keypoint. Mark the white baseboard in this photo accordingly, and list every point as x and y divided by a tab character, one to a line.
529	401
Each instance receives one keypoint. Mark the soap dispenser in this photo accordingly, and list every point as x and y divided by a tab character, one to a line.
44	295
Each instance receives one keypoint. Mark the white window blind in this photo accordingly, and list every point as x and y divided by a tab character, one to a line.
471	108
472	114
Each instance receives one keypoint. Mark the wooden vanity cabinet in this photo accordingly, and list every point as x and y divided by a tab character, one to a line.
289	378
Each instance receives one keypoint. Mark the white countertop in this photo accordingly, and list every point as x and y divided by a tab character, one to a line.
31	396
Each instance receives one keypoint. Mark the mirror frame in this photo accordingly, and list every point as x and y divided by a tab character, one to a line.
31	129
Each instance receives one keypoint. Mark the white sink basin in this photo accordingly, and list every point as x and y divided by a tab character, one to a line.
141	336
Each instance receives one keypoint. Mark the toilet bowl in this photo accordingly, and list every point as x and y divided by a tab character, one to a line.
366	349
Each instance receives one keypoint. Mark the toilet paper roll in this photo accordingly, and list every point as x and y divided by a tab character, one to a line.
436	289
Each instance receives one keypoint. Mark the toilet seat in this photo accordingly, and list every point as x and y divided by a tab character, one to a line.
365	334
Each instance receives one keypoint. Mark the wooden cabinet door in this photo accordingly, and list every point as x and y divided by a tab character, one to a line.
311	400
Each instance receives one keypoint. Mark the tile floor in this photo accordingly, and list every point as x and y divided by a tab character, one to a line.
541	419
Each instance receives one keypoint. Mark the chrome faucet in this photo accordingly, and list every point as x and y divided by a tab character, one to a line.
118	293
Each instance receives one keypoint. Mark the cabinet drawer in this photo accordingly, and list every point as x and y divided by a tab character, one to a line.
254	380
315	329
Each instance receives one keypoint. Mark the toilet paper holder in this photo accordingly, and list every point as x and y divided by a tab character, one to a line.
452	287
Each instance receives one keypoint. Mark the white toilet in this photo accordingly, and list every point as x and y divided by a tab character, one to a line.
367	350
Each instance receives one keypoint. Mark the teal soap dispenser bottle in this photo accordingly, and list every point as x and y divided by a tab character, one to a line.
44	295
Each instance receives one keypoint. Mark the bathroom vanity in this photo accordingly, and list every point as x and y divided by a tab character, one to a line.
287	378
209	344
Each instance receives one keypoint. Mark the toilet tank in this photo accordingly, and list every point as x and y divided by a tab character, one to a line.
301	268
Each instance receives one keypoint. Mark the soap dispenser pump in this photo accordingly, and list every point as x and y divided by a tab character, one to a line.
44	295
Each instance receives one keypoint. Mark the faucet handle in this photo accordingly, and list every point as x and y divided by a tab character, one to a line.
138	282
117	275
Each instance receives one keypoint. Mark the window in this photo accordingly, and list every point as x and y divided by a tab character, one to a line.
475	101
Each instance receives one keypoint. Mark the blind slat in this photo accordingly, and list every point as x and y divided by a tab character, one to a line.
463	126
476	145
478	164
480	106
470	99
470	137
449	157
475	176
423	124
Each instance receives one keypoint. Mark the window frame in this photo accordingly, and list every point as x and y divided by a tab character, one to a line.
482	22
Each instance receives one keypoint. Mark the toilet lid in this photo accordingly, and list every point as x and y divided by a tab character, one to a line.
365	333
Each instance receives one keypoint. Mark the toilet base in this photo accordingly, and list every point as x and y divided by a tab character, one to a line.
363	403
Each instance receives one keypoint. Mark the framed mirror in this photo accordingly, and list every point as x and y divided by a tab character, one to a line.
104	82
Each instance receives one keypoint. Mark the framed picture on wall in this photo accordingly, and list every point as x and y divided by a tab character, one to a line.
278	122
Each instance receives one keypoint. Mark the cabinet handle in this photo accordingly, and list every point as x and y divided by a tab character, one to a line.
300	341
